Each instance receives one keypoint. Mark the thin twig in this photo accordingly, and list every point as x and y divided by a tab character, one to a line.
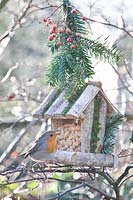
130	154
20	181
100	191
55	11
125	180
61	194
126	66
13	124
125	173
109	24
121	80
41	8
12	29
47	170
8	74
21	99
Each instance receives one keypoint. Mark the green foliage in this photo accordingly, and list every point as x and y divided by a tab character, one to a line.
95	126
7	189
102	51
71	64
32	185
112	124
73	21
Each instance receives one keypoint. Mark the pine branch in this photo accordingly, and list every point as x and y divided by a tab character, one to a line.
102	51
73	48
112	124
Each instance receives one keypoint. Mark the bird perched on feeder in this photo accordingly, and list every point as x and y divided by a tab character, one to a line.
44	147
42	150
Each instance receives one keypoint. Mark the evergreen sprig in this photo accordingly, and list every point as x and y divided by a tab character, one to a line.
112	124
71	64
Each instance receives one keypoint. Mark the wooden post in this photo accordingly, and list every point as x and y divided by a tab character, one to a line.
86	128
102	122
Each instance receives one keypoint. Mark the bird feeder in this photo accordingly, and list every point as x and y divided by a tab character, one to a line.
81	126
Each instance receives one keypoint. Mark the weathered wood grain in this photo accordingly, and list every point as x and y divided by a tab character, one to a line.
84	100
39	111
82	159
50	112
86	128
102	122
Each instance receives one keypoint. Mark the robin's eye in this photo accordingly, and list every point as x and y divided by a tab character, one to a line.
51	135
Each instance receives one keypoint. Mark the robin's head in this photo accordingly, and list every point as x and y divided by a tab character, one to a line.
50	135
51	141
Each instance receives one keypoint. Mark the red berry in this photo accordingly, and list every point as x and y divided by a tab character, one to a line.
45	20
84	18
68	30
61	30
69	39
54	26
51	37
73	11
53	31
11	96
54	35
72	46
78	35
51	22
58	43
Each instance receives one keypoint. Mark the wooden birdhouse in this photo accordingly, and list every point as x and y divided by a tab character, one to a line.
82	124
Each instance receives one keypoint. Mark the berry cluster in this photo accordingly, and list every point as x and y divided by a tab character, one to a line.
63	33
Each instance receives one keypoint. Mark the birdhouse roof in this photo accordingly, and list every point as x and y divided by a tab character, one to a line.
55	104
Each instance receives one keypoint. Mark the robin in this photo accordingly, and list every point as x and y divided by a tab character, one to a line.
44	147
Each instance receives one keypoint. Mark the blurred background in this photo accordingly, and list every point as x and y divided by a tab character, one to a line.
24	60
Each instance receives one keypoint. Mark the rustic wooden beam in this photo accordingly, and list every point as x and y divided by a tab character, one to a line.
110	107
86	159
82	159
56	104
86	128
39	111
83	101
102	122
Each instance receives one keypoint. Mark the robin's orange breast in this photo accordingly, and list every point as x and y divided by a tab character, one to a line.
52	144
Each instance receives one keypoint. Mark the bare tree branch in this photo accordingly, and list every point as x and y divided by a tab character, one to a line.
130	154
9	33
125	180
61	194
41	8
82	183
15	141
8	73
3	3
112	25
130	75
125	173
100	191
121	80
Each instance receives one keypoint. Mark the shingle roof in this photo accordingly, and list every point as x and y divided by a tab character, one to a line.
54	105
